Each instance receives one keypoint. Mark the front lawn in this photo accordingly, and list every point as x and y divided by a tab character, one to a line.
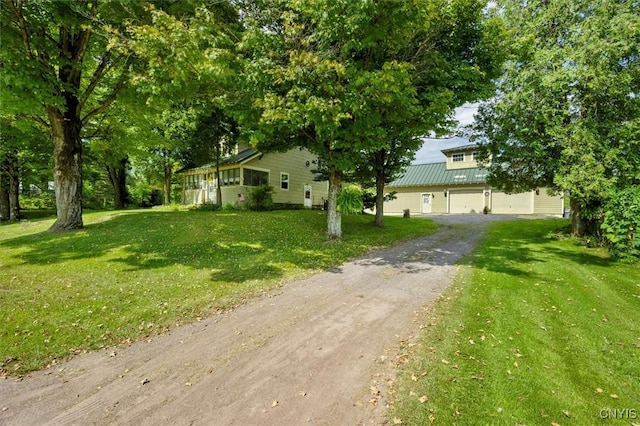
537	330
132	274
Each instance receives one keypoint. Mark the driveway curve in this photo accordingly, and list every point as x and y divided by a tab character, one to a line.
309	353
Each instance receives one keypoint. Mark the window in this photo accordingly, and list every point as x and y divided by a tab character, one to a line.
255	177
474	156
457	158
230	177
284	181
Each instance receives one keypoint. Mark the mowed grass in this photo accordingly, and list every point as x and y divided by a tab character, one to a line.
537	330
133	274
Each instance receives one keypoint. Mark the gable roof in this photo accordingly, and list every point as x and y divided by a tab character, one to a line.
241	157
437	174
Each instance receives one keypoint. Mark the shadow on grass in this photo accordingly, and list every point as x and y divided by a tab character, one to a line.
515	248
154	240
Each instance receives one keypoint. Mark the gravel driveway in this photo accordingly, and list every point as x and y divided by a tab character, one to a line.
309	353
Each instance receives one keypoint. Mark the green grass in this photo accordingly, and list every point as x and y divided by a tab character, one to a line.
132	274
537	330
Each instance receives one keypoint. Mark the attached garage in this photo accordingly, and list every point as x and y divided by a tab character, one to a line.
502	203
470	200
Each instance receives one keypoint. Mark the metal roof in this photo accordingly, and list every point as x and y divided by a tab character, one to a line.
460	148
240	157
437	174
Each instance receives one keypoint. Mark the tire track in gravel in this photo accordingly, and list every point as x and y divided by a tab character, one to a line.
304	354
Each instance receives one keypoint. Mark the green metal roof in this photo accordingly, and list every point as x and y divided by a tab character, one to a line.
437	174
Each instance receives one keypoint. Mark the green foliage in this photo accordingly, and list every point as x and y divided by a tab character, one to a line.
136	273
621	226
260	198
503	346
348	78
350	199
568	114
231	206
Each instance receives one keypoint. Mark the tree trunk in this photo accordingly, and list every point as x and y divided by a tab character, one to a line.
578	225
67	171
118	179
380	178
168	175
218	187
334	220
5	209
14	186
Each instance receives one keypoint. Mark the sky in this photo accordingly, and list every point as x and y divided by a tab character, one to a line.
430	151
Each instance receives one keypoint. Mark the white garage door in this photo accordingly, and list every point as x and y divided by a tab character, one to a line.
466	201
502	203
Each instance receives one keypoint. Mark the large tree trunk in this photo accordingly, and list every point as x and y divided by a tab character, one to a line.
67	171
118	179
580	225
334	220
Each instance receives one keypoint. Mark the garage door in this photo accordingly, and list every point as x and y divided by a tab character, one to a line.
466	201
502	203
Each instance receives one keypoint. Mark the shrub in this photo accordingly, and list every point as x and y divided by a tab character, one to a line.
208	207
261	198
350	199
230	206
621	222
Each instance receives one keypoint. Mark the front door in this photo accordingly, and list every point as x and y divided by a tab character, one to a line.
308	200
426	203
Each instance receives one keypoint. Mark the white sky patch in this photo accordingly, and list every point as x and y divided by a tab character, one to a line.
430	151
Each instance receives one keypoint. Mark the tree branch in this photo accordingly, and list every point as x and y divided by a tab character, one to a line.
104	66
16	8
106	103
41	121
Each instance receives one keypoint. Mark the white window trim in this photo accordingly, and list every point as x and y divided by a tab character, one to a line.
453	157
288	181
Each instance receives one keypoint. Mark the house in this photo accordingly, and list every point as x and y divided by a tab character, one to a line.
290	174
460	186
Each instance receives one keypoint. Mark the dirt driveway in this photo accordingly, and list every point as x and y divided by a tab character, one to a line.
309	353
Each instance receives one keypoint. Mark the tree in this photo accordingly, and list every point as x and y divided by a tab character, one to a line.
61	71
189	77
345	79
214	138
567	114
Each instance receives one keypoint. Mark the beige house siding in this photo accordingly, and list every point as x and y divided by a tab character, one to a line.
294	163
297	164
473	199
466	163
